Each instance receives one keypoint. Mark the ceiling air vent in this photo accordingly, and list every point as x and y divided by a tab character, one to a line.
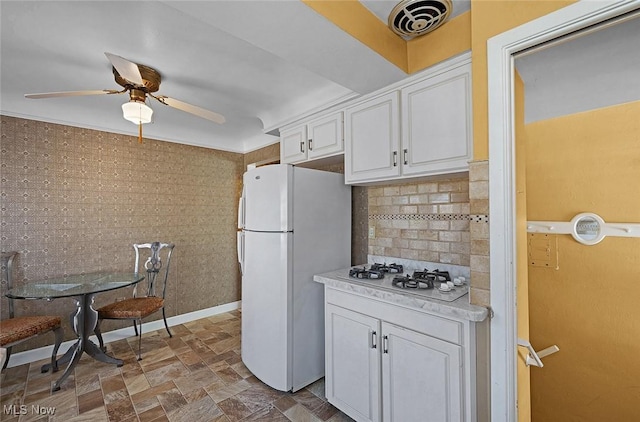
411	18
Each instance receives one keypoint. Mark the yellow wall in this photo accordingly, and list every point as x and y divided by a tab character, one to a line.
451	39
587	162
490	18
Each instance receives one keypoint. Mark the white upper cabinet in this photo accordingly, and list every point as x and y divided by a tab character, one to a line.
372	137
436	124
293	145
318	138
422	127
325	136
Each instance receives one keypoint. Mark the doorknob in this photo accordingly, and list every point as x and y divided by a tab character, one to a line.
535	358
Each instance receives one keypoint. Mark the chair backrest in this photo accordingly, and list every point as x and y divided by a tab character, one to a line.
157	258
8	257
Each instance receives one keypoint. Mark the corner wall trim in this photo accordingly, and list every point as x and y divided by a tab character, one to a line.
34	355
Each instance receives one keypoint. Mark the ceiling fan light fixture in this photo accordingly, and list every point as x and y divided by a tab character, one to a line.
137	112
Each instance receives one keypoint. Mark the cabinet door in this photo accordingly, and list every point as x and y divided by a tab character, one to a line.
436	123
372	139
422	377
352	373
325	136
293	145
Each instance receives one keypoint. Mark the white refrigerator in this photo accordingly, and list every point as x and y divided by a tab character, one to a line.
294	223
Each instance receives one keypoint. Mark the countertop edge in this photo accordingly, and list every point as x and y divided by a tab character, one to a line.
459	308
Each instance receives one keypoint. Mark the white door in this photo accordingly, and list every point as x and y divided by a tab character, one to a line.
353	363
266	305
267	204
325	136
421	377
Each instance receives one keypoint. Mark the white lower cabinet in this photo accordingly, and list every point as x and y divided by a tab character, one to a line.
421	377
379	370
352	369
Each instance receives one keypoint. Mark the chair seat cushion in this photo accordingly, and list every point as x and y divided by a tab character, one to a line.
132	308
20	328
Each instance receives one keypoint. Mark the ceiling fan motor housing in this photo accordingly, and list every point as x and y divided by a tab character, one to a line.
412	18
150	77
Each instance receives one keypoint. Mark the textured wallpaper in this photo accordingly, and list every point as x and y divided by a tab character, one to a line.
74	200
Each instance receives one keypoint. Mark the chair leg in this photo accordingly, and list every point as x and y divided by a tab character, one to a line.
3	357
135	327
6	354
99	335
59	337
139	341
165	323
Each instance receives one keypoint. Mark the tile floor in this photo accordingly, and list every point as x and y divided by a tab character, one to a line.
195	376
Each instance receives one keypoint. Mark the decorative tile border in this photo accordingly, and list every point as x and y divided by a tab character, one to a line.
477	218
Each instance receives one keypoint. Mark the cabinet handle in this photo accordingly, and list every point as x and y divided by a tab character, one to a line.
385	344
310	145
374	340
302	146
395	158
405	151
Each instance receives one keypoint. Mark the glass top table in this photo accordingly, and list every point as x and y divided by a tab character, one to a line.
84	318
74	285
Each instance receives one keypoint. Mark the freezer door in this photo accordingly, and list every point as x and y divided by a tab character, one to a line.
267	204
266	308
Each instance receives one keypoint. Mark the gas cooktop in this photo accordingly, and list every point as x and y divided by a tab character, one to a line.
423	284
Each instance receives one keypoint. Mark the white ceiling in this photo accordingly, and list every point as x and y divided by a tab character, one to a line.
595	68
258	63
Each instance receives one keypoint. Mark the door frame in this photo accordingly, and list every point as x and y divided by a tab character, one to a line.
502	210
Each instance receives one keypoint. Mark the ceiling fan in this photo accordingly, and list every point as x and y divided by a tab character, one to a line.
139	81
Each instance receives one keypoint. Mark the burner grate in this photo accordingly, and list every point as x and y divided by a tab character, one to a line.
365	273
436	275
391	268
408	282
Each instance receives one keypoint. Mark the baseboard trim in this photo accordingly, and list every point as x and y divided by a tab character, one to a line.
34	355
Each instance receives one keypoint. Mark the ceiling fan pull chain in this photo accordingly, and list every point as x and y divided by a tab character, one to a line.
140	132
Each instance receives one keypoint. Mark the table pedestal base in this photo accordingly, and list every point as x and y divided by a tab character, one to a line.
83	321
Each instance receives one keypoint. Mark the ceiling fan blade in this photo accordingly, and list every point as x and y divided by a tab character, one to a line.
71	93
198	111
127	69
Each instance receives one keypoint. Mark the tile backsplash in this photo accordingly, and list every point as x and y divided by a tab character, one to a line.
425	221
439	221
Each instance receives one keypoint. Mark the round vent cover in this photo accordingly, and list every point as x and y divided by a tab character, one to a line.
411	18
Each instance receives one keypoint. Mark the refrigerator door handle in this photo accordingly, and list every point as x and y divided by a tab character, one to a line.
241	211
241	251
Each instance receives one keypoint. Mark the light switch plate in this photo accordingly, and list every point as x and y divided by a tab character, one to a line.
543	250
372	232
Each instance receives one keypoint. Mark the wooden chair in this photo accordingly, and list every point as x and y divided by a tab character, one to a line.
138	307
16	330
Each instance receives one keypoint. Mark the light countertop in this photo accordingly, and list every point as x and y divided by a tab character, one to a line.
459	308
